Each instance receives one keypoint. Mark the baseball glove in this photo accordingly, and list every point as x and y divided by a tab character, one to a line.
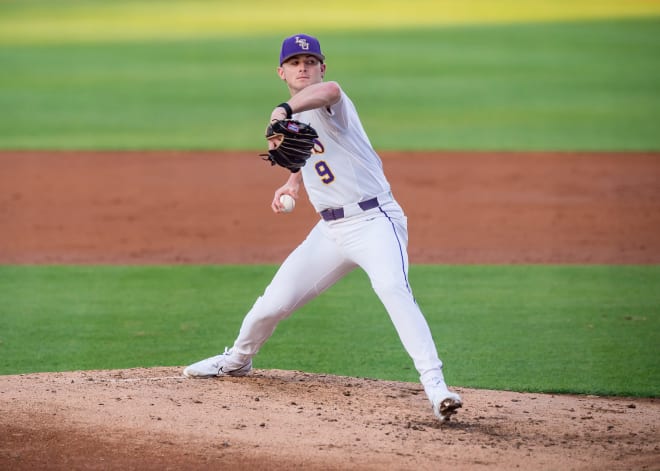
295	147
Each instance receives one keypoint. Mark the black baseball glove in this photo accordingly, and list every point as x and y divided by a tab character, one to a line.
295	146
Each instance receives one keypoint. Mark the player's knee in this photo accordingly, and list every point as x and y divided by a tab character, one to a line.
275	305
391	287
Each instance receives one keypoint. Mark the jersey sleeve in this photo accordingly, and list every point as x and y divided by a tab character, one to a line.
338	113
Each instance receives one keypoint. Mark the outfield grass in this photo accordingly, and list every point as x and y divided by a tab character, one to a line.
589	85
45	21
575	329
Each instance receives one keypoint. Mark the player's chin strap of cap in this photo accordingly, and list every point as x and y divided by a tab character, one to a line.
332	214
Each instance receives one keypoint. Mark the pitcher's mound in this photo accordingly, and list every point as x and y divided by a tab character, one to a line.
156	419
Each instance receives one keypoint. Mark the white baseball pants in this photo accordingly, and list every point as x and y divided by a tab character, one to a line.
375	240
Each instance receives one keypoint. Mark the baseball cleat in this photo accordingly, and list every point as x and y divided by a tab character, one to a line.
219	365
444	402
445	408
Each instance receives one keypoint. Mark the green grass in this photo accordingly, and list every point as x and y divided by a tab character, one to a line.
590	85
592	330
44	21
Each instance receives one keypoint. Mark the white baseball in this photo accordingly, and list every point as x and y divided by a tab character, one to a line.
288	202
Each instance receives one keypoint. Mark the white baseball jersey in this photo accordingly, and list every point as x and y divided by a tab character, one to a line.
344	168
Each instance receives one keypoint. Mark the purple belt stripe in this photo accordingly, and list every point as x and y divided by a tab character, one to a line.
332	214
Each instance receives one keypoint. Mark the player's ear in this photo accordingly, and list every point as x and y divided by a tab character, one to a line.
322	70
280	72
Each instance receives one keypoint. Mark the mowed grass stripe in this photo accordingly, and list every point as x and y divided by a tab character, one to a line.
564	86
42	21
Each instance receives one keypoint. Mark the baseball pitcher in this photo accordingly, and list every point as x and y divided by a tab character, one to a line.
318	136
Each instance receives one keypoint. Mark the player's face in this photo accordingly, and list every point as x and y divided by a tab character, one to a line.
301	71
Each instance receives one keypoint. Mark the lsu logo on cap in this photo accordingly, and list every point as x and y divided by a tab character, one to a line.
302	42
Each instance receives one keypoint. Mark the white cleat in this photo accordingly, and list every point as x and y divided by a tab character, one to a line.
444	408
445	403
219	365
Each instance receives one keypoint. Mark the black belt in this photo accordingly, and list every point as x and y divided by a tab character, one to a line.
332	214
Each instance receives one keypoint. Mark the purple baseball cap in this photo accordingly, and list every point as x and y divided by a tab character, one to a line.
300	44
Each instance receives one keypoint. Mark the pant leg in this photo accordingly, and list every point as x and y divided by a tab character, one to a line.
310	269
379	247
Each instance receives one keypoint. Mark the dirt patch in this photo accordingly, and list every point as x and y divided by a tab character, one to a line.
208	207
156	419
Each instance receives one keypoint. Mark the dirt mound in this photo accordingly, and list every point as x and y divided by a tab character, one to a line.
272	419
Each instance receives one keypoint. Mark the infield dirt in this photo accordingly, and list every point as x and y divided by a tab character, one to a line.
209	207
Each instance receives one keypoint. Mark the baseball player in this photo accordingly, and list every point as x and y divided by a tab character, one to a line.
360	225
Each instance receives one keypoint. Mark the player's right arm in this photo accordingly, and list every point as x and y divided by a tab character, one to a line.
291	188
318	95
